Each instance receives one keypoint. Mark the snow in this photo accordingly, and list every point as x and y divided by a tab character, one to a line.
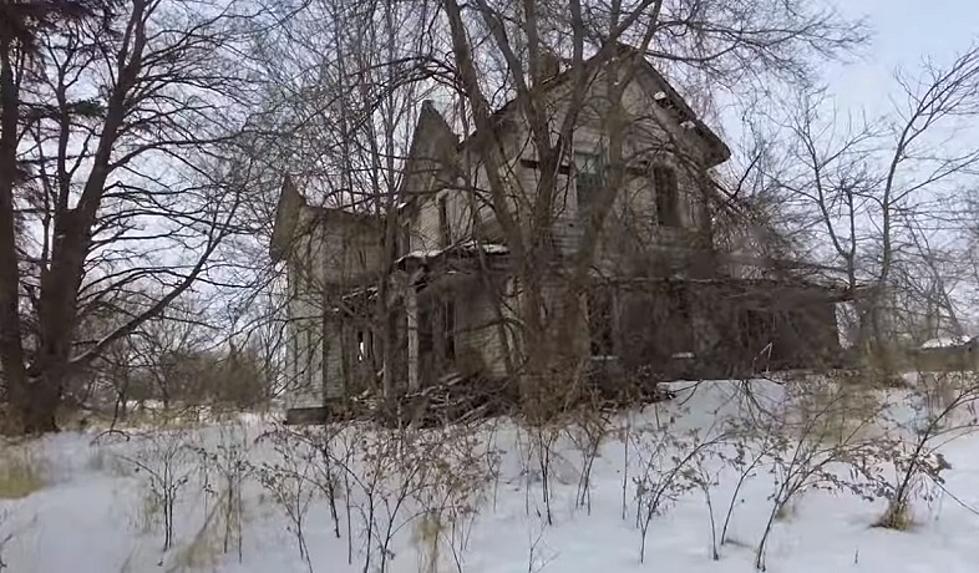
92	514
488	248
468	245
420	254
946	342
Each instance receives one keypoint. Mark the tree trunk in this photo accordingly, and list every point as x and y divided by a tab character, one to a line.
11	345
553	349
39	413
57	316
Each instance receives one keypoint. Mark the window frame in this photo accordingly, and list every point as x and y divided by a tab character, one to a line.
404	238
449	327
668	209
445	229
588	165
604	346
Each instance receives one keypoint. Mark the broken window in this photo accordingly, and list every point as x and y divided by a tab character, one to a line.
426	340
679	322
449	328
757	329
667	196
589	181
444	230
404	240
601	322
365	344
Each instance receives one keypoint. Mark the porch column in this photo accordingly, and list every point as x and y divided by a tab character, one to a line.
411	314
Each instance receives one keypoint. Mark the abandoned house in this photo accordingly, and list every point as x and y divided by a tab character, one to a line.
664	296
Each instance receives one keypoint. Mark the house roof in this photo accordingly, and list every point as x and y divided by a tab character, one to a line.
434	137
287	217
720	152
469	247
433	140
646	70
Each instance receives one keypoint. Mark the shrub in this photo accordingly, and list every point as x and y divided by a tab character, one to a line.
897	516
21	473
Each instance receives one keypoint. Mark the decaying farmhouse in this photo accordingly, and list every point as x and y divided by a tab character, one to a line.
663	295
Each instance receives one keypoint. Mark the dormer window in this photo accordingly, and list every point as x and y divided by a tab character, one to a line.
667	196
589	181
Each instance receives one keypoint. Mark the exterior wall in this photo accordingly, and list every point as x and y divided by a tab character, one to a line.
632	228
351	250
710	334
658	327
425	224
304	314
333	367
425	231
963	357
773	329
331	253
479	344
653	138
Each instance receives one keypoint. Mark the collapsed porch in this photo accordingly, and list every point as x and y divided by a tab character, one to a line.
452	313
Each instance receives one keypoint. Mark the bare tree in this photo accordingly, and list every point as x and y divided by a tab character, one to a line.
119	173
510	49
882	194
343	83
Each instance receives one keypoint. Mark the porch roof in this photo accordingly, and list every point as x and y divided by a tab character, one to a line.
465	249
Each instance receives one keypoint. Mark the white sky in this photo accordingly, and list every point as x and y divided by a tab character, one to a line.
904	31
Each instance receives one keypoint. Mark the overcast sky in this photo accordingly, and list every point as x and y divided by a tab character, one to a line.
904	31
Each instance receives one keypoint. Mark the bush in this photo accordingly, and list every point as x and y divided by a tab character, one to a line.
21	473
897	516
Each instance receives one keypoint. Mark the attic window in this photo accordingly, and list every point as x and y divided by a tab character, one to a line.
667	196
666	102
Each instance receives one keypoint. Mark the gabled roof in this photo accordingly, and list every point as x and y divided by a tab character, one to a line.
433	138
720	152
432	141
655	82
287	217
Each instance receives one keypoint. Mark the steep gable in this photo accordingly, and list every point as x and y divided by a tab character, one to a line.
666	96
658	89
433	146
287	213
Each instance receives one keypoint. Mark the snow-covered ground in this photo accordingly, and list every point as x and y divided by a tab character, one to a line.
96	514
